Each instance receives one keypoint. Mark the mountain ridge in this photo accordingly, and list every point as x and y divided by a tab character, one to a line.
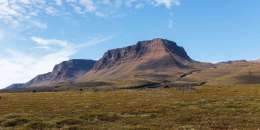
64	72
158	62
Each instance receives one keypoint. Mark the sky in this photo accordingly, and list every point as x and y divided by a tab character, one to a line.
37	34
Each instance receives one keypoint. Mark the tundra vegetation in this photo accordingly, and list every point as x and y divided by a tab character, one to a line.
206	107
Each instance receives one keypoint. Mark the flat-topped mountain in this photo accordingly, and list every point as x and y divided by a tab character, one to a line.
64	72
157	59
154	54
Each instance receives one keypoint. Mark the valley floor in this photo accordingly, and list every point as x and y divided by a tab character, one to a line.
208	107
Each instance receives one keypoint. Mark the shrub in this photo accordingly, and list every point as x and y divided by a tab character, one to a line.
100	117
68	122
12	116
14	122
38	126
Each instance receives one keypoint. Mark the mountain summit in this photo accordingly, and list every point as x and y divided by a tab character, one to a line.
151	54
147	60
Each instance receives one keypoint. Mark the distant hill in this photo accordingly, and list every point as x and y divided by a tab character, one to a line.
16	86
229	73
64	72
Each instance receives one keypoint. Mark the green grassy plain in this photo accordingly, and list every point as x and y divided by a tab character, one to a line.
208	107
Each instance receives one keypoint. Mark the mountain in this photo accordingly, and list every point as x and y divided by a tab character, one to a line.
16	86
151	60
64	72
229	73
151	63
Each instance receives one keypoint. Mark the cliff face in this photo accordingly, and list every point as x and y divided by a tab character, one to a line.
69	70
154	52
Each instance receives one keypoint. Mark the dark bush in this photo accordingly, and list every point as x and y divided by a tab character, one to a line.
101	117
12	116
38	126
14	122
68	122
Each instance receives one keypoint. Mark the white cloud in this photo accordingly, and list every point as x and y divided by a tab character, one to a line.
20	67
15	12
110	7
49	42
89	5
51	11
95	41
167	3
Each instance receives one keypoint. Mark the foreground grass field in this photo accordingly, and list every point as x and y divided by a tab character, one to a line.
208	107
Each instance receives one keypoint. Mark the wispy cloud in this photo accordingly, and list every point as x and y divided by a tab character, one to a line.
19	67
167	3
89	5
49	42
15	12
110	7
95	41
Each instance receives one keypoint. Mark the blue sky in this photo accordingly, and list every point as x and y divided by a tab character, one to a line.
35	34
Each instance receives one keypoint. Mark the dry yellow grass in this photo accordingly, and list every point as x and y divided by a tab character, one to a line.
209	107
